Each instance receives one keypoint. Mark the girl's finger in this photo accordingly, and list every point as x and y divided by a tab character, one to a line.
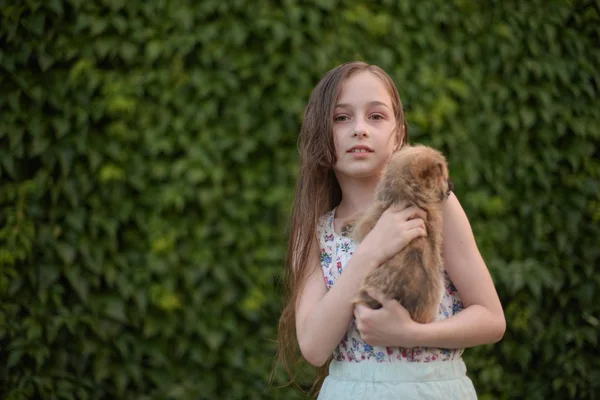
413	212
415	223
358	310
415	233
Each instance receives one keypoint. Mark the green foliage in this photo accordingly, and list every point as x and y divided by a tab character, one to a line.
148	160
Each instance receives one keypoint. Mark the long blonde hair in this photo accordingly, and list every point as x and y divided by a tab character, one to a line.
317	192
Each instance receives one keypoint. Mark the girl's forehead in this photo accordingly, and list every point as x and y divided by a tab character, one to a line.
364	86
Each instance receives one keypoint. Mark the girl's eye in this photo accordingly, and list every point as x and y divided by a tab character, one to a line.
377	117
340	118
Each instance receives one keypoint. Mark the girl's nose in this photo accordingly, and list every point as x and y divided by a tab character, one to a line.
360	129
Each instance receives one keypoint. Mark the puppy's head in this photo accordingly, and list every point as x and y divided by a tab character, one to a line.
420	173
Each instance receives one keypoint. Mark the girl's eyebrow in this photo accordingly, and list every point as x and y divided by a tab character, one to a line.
371	103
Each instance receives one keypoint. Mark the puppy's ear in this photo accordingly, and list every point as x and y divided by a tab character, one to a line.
432	171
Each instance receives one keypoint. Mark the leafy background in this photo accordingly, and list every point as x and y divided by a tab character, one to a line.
148	160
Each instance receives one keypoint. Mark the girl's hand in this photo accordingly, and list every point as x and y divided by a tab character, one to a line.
391	325
396	228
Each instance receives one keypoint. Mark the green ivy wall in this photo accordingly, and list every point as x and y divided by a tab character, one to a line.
148	159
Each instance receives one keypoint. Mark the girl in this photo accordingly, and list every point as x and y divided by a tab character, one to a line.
353	122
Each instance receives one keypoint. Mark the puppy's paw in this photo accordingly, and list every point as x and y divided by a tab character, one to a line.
364	298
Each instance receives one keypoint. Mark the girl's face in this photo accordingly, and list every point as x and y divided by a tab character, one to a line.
364	127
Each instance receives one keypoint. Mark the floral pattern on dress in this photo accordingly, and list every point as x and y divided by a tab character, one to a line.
336	251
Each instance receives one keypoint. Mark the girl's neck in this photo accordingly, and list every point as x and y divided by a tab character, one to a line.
357	196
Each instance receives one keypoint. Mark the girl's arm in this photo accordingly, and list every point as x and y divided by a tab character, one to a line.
322	316
482	320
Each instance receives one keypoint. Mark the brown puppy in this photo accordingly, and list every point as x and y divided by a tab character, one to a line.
416	175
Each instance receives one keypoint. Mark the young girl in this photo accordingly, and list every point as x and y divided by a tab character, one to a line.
353	123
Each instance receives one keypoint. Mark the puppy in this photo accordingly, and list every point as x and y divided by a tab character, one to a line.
417	175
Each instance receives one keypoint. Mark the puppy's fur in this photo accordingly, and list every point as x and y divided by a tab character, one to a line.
417	175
